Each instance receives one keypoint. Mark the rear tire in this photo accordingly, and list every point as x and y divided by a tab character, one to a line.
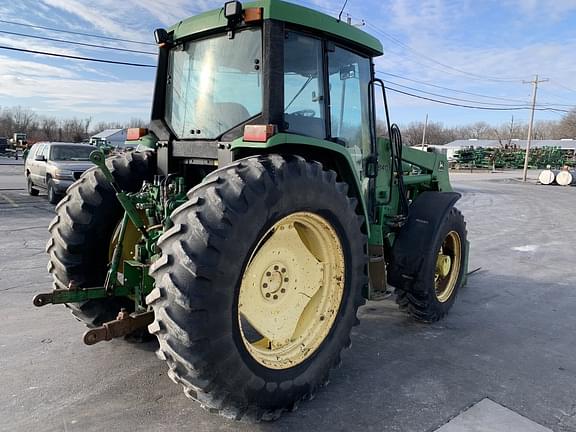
81	232
200	278
427	303
32	191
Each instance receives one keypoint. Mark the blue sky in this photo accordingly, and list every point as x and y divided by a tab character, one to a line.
484	47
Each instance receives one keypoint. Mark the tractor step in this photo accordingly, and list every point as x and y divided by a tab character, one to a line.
123	325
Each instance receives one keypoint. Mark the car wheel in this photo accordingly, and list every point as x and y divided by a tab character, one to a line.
30	187
53	197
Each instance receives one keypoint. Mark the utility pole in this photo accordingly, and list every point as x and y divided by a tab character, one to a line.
424	132
530	125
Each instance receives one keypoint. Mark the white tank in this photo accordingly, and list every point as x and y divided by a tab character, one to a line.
547	177
564	178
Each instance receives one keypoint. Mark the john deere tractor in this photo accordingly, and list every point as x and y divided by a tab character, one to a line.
260	211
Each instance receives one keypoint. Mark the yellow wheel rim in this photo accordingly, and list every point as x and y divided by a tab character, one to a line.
291	290
448	264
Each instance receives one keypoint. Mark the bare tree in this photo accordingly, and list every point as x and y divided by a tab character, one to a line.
567	126
23	118
49	129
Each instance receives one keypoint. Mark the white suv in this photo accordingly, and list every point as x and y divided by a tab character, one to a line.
55	166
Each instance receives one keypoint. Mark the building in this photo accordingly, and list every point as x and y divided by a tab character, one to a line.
109	137
453	147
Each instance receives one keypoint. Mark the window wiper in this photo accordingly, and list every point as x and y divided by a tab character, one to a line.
310	78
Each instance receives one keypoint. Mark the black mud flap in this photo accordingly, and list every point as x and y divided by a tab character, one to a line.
416	237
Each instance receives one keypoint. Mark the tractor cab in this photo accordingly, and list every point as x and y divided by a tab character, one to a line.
246	73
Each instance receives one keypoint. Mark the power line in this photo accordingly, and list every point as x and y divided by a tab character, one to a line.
543	105
472	106
562	86
430	59
449	89
450	97
76	43
76	57
75	32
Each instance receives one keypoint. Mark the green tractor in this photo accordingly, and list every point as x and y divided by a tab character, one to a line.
260	211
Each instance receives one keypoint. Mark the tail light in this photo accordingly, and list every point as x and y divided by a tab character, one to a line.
259	133
134	134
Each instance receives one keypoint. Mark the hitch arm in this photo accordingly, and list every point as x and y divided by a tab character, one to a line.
75	295
123	325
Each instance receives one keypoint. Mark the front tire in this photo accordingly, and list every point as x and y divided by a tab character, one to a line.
53	197
442	270
222	239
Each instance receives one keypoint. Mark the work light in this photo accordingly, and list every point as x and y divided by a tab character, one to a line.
232	10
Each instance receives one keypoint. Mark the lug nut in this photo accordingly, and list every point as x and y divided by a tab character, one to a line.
267	295
276	267
285	279
265	285
275	297
282	290
268	274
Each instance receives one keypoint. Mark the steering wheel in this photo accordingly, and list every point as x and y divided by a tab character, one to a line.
304	113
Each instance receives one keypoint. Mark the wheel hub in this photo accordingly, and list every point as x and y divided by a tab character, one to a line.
275	282
448	263
443	264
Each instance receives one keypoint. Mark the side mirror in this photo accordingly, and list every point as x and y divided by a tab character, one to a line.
347	72
40	158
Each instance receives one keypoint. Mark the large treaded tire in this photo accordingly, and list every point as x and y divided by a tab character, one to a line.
198	280
82	229
425	306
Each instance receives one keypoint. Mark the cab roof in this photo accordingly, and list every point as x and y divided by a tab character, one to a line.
286	12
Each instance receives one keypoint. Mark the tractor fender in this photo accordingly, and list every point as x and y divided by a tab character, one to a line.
426	215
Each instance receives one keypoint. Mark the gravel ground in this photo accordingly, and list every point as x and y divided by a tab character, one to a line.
509	338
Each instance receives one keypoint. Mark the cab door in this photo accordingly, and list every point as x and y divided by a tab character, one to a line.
349	76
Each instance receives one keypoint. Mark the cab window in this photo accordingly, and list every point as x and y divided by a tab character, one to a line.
303	85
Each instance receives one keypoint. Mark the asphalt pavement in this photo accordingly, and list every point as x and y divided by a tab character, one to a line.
509	339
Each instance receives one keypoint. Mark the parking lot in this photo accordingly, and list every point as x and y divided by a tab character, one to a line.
510	337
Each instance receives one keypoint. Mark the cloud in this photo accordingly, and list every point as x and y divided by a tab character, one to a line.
104	18
536	9
13	67
170	12
100	98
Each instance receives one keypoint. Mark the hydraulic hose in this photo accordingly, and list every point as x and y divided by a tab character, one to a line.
396	140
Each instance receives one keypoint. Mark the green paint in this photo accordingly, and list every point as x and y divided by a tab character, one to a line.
148	141
281	11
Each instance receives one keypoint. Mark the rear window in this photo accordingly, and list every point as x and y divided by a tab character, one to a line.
71	153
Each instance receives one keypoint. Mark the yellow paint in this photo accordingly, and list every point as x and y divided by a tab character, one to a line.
291	290
448	264
131	238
